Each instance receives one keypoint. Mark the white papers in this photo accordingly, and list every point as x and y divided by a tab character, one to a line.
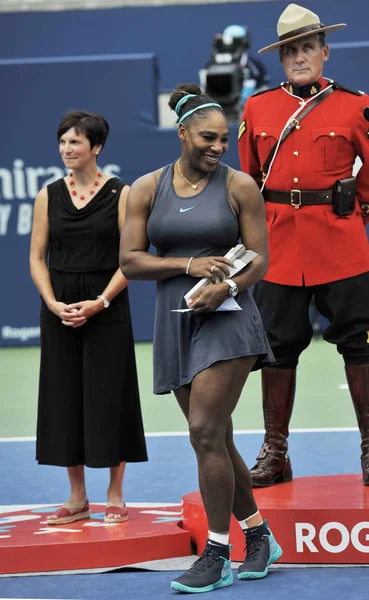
229	304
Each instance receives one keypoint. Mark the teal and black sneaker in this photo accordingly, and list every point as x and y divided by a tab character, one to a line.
261	551
210	572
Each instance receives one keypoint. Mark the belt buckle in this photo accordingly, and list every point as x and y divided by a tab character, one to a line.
297	204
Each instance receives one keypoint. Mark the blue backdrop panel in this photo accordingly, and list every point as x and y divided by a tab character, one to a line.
180	35
356	57
35	94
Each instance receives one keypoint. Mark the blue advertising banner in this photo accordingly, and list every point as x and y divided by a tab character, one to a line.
35	94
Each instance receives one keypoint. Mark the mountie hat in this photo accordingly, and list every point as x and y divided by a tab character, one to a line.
296	22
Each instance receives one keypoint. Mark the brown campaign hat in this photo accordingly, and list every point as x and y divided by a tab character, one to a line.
296	22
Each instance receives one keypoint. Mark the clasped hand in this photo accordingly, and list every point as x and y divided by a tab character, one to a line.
76	314
213	267
210	298
216	269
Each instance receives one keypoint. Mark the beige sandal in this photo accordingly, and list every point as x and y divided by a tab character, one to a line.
69	512
116	509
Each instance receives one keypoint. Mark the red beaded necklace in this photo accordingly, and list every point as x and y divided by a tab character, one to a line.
82	196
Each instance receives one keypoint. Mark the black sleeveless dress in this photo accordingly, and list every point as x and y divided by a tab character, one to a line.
89	407
187	343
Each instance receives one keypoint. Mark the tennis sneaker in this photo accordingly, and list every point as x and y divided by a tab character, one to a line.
261	551
210	572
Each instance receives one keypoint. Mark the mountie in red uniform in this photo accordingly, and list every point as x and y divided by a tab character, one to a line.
310	245
316	251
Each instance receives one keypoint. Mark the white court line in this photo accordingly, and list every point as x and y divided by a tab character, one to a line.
237	431
258	431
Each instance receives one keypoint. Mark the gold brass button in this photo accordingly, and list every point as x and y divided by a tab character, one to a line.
332	134
298	126
296	153
295	180
263	134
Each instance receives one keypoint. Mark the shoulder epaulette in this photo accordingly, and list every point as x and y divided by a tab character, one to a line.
339	86
268	89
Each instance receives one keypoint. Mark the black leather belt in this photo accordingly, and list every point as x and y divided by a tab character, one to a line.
299	198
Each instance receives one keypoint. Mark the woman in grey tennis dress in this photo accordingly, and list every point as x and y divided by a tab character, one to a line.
193	211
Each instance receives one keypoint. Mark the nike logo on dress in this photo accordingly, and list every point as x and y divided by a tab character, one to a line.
186	209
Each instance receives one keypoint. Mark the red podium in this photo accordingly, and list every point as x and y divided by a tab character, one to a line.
315	519
29	545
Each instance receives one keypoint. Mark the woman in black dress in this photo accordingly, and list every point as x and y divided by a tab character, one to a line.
89	408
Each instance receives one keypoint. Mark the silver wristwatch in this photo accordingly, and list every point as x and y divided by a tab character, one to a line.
233	289
106	302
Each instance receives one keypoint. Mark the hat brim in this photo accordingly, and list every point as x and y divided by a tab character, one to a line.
328	29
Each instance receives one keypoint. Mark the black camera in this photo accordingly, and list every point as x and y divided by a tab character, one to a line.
232	75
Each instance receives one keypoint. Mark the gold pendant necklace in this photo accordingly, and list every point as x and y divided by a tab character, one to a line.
194	186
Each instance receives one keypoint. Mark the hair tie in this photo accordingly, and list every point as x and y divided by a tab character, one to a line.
183	101
188	113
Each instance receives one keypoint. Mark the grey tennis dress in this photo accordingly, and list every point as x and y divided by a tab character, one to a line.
187	343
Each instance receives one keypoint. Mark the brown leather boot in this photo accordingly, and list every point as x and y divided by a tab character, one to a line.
358	382
273	463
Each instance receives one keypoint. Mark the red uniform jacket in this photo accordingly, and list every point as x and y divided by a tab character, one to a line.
311	245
